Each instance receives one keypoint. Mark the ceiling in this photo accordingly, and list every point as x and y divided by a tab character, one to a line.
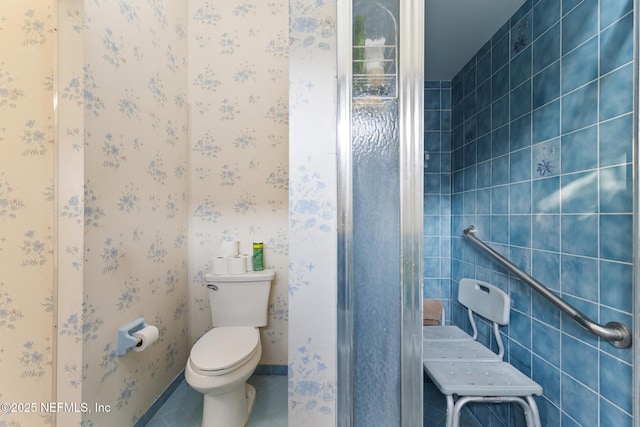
456	29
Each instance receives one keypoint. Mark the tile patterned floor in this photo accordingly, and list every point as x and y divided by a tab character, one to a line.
184	406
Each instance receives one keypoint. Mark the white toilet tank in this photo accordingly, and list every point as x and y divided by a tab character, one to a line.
240	299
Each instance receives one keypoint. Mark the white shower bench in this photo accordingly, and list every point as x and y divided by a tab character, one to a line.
466	371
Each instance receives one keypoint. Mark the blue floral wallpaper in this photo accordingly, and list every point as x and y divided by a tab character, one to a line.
312	214
135	198
239	169
139	206
123	202
26	207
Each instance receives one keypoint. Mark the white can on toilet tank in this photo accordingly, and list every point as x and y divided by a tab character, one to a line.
224	358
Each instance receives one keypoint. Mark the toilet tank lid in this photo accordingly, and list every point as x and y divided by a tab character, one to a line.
222	348
249	276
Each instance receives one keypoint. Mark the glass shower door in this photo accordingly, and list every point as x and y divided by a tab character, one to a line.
380	169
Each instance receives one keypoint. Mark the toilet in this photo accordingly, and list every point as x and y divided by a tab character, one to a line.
223	359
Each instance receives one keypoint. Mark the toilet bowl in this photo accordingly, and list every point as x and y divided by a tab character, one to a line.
223	359
219	365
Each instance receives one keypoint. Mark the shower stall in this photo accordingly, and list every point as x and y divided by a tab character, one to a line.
542	156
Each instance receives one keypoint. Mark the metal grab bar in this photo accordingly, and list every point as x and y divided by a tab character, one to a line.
616	333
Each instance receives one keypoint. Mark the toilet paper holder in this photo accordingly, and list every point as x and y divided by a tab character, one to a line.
126	341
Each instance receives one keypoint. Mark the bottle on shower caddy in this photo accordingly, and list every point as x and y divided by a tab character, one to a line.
258	256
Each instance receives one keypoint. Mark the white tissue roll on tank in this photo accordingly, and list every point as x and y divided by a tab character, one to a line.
239	299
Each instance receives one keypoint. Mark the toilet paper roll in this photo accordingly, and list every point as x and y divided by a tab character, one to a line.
228	248
237	265
248	261
148	336
219	265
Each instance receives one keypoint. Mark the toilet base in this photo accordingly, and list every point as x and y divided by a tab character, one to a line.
231	409
250	392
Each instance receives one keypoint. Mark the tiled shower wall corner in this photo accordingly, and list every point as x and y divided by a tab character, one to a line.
437	191
542	165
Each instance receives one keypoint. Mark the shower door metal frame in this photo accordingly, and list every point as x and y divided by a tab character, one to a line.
410	103
636	216
344	357
411	107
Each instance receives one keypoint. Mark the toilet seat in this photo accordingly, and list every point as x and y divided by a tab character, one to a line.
221	350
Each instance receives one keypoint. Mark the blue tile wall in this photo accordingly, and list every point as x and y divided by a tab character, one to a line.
437	191
541	162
